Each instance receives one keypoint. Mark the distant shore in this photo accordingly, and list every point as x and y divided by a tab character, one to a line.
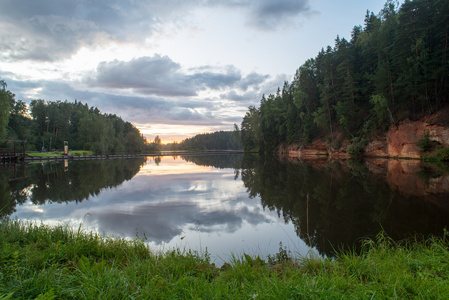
115	156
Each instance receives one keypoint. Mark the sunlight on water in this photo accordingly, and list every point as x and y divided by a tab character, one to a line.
172	203
233	204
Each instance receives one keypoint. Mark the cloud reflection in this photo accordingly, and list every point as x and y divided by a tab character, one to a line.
167	204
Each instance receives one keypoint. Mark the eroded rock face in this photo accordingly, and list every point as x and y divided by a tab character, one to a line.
317	148
376	148
399	142
403	137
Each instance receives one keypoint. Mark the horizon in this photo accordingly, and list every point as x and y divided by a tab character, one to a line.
171	69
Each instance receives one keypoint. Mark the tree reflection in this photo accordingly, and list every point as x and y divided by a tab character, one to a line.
335	205
54	183
332	204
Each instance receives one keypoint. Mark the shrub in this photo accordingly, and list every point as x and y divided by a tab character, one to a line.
357	145
424	143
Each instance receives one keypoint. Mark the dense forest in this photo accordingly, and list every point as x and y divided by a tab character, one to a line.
219	140
394	67
48	124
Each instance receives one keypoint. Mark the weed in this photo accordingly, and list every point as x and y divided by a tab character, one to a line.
42	262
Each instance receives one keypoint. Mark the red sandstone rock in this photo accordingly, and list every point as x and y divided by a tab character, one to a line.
403	137
376	148
400	140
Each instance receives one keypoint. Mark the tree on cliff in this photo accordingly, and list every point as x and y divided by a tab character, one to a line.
394	67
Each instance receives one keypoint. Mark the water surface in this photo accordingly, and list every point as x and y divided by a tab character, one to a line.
233	204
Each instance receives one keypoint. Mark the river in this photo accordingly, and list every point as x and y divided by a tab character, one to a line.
227	205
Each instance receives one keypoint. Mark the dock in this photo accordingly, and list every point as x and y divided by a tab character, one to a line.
14	152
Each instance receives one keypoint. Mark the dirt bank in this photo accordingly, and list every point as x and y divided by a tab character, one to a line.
400	141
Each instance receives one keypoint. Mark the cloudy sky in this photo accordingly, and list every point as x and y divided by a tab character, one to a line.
173	68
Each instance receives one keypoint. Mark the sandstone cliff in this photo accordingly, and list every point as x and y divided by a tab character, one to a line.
399	141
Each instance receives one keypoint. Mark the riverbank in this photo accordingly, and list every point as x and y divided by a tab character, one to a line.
62	263
424	138
85	155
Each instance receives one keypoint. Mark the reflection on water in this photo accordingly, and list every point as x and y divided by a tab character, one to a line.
233	203
335	204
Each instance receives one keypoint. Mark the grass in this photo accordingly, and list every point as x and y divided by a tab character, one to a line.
42	262
58	154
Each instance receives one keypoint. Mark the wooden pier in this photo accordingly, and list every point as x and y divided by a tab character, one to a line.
14	153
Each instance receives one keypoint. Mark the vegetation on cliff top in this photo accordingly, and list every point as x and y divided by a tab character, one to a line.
38	261
394	67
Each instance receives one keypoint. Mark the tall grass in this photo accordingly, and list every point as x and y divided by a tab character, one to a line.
38	261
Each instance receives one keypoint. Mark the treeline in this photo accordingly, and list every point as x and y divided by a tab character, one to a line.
46	125
394	67
219	140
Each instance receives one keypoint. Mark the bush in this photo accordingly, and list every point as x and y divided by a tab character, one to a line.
424	143
357	145
442	155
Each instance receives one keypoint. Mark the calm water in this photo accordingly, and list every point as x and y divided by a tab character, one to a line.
232	204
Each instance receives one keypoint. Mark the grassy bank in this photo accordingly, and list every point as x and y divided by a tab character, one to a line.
59	153
60	263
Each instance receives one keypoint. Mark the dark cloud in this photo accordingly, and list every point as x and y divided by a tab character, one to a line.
47	30
157	75
268	14
51	30
161	76
252	80
215	80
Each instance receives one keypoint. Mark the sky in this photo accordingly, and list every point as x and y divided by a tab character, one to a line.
173	68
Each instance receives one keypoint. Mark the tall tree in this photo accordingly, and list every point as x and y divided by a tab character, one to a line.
6	98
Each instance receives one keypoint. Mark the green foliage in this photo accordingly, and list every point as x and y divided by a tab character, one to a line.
54	122
282	257
424	143
381	111
251	132
6	98
395	66
357	145
219	140
40	262
440	156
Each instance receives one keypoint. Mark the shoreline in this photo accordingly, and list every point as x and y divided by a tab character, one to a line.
115	156
57	262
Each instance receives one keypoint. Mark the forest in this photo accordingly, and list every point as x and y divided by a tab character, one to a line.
46	125
219	140
394	67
